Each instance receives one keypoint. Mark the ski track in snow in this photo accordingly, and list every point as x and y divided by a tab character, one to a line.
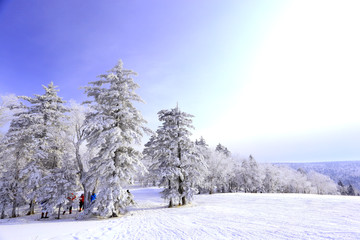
227	216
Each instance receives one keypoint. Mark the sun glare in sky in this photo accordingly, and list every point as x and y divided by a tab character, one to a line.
303	81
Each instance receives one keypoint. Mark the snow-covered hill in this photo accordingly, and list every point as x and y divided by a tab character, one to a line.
348	171
217	216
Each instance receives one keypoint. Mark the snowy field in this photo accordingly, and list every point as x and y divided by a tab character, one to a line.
217	216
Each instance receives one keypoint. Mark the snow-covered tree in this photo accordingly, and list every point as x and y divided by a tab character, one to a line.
204	150
341	188
113	126
77	137
223	149
201	143
56	187
250	175
176	161
14	155
151	178
7	103
350	190
269	179
220	172
322	184
46	117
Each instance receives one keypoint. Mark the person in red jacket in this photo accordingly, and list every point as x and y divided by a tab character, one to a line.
81	202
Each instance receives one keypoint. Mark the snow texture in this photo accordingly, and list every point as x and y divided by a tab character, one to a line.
215	216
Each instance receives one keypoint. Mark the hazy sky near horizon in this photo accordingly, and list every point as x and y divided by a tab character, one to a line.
276	79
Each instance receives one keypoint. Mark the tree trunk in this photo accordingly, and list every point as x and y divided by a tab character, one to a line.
79	137
87	199
181	192
183	200
171	203
13	212
181	187
59	211
15	188
32	207
3	211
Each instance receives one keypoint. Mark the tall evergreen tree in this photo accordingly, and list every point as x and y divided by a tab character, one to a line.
350	190
33	145
342	189
46	116
14	155
113	126
201	142
175	158
7	110
223	149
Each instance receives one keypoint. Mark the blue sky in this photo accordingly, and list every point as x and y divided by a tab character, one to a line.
276	79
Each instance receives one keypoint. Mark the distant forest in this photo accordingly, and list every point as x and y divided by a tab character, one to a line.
348	172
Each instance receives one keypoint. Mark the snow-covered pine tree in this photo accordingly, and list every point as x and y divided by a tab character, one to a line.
113	126
151	177
7	103
341	188
48	114
206	152
350	190
175	158
223	149
46	117
202	143
14	155
4	193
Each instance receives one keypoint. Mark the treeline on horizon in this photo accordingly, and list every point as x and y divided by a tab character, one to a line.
52	149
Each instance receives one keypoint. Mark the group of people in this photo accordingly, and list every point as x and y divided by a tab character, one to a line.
71	198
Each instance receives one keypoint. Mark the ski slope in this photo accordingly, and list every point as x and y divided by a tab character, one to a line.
217	216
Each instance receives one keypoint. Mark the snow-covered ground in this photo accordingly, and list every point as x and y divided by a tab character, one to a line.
217	216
